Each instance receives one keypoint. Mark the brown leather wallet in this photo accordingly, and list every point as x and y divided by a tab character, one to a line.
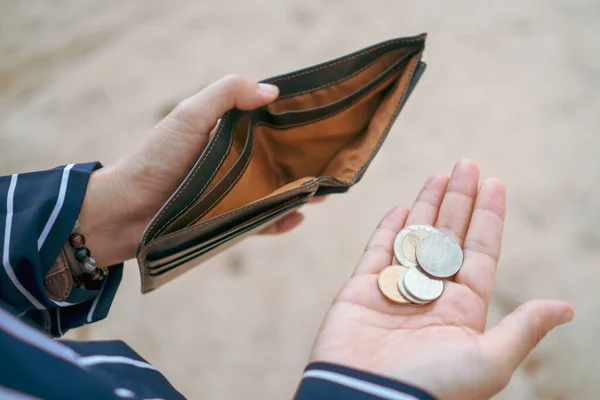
317	138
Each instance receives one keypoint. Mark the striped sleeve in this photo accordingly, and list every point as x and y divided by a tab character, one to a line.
37	213
36	367
330	381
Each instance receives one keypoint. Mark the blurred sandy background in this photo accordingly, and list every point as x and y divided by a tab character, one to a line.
513	85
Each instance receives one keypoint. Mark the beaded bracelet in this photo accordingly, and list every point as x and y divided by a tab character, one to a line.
84	255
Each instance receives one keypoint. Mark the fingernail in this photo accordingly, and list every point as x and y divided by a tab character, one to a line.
268	89
565	317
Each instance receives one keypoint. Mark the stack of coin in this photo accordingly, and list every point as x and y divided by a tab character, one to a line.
427	257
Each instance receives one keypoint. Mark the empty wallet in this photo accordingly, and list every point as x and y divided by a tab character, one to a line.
317	138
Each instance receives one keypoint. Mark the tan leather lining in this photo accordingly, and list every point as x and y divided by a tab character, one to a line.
339	90
353	157
338	145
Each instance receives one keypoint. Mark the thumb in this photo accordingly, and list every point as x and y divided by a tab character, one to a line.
176	142
508	343
199	113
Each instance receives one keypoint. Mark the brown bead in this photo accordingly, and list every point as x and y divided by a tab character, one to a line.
95	276
76	240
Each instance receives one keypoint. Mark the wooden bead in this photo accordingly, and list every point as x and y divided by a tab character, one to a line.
76	240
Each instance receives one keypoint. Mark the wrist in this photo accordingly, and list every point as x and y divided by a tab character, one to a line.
105	220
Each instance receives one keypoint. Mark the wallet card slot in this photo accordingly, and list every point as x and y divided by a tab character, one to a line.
295	117
251	222
234	167
339	69
342	89
321	140
194	185
185	237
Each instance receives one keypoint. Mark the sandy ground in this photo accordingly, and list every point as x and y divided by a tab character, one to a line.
513	85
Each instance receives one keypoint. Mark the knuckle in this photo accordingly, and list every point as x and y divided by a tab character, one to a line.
535	323
456	233
404	210
462	194
232	80
433	202
375	248
182	109
478	245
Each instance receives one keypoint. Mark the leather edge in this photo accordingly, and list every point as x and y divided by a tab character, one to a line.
149	283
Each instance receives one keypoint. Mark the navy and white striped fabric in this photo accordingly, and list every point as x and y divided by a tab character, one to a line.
329	381
37	212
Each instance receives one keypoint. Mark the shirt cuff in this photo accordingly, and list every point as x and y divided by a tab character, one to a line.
37	213
330	381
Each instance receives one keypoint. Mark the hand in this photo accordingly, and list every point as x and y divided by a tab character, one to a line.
122	198
441	347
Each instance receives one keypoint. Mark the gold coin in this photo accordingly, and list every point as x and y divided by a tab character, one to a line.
405	244
388	283
409	244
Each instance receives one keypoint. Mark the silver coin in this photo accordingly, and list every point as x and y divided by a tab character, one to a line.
439	255
406	294
421	286
406	241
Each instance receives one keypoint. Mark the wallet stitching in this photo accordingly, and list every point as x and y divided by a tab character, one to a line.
333	83
188	182
162	239
387	128
417	39
290	207
216	202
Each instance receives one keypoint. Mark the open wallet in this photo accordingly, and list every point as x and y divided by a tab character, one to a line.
318	137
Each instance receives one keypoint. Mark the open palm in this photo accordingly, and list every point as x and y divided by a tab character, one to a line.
440	347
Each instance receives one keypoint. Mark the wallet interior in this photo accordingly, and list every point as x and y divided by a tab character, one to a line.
336	127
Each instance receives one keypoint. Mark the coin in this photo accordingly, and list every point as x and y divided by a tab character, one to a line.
439	255
421	286
405	293
388	283
407	240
